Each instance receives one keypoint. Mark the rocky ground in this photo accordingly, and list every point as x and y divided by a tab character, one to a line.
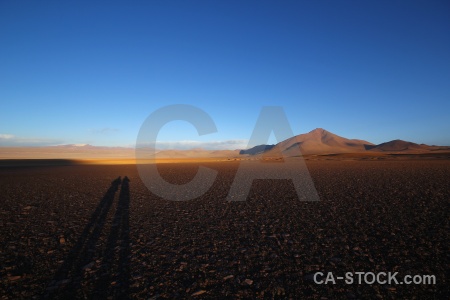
86	231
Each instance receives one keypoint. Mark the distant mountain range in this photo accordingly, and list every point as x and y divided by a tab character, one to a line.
321	141
257	149
316	142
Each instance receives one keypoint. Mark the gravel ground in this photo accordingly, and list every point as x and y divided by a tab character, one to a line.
95	231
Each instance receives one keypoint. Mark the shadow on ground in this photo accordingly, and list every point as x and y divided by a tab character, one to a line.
93	268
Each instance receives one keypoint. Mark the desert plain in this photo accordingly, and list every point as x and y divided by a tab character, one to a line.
71	229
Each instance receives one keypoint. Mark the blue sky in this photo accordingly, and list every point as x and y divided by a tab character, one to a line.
83	72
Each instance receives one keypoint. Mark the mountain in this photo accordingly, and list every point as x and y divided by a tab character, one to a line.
73	146
195	153
257	149
319	141
404	146
66	152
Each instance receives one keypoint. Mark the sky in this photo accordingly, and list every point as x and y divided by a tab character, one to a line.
91	72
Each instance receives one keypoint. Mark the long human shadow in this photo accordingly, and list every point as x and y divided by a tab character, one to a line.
115	265
68	279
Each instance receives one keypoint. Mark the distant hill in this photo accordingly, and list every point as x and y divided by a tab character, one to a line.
398	145
257	149
319	141
72	151
404	146
196	153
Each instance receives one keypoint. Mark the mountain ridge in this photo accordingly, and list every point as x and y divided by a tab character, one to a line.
321	141
316	142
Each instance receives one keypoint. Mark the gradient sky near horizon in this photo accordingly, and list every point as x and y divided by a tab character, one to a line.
91	72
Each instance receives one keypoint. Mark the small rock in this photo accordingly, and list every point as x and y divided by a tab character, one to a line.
62	241
13	278
248	281
228	277
198	293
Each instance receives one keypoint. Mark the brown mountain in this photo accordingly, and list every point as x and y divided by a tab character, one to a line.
319	141
196	153
404	146
257	149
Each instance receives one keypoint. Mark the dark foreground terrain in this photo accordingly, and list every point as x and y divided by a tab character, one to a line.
95	231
